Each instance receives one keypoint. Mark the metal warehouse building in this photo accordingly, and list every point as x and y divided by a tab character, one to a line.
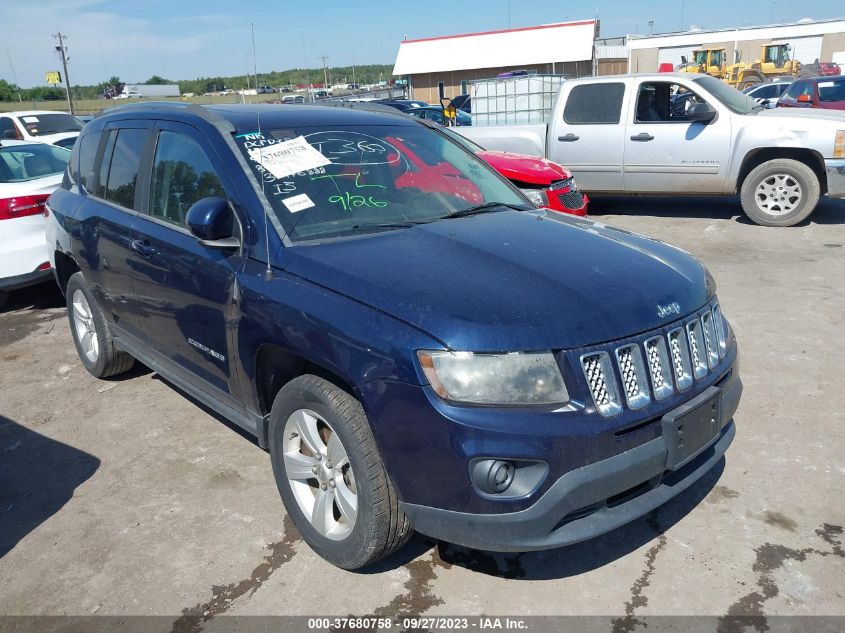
811	41
455	60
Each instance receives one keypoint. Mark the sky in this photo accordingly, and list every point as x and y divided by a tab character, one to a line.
186	39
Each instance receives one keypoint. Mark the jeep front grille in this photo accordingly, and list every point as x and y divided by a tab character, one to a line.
710	343
632	371
696	348
680	359
602	383
659	368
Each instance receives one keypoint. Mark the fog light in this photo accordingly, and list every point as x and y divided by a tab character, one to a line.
492	476
505	477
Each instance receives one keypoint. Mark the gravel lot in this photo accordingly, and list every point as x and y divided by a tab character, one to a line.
124	497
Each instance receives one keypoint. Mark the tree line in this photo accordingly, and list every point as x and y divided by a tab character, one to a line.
367	74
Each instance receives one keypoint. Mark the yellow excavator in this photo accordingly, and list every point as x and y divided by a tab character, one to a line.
774	62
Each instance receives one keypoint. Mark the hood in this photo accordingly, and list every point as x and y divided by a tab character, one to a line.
807	116
510	281
528	169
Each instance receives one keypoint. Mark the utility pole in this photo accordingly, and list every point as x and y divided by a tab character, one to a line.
61	49
325	72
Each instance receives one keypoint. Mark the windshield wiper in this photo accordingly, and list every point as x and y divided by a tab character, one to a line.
487	207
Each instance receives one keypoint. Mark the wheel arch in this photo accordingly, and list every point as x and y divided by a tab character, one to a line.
757	157
65	267
276	366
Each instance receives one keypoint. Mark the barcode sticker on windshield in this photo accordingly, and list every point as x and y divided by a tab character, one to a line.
826	84
30	119
288	157
298	203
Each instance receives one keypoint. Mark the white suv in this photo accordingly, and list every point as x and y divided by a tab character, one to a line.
29	173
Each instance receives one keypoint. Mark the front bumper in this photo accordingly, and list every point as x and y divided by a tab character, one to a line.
588	501
835	170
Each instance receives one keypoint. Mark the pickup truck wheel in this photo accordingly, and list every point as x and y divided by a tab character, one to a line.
91	333
780	192
330	475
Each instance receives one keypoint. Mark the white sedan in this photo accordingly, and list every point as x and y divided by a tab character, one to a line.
40	126
29	173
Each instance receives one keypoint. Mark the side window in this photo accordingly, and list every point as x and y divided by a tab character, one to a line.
87	148
766	92
7	129
182	175
123	172
105	163
664	102
594	104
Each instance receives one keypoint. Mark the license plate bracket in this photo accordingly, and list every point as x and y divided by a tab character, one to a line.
691	428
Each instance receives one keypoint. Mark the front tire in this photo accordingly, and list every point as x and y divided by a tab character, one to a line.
91	333
780	192
330	475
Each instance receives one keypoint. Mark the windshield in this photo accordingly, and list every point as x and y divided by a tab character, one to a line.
471	146
355	179
41	124
731	98
19	163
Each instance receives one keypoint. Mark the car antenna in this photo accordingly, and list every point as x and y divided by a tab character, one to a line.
269	272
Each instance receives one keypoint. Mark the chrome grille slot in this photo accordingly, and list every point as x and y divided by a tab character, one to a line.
698	355
632	372
710	343
659	368
602	384
680	358
721	333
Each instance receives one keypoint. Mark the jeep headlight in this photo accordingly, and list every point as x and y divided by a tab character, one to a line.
506	379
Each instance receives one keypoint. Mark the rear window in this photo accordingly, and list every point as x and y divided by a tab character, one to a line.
594	103
19	163
41	124
87	149
125	157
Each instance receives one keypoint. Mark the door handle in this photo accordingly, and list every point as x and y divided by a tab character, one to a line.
568	138
642	136
143	248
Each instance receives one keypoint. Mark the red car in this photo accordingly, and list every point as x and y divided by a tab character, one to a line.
817	92
545	183
829	69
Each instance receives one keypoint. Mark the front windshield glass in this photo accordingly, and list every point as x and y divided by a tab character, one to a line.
41	124
731	98
463	140
368	178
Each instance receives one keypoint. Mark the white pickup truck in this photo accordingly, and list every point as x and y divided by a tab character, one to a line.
680	134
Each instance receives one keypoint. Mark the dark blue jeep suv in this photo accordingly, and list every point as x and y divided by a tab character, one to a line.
415	345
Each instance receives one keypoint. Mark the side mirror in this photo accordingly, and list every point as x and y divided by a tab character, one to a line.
804	99
683	59
701	112
212	221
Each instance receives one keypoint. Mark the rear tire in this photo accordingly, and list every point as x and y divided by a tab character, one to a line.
780	192
330	475
91	333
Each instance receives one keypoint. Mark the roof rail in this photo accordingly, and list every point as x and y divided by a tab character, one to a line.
194	108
